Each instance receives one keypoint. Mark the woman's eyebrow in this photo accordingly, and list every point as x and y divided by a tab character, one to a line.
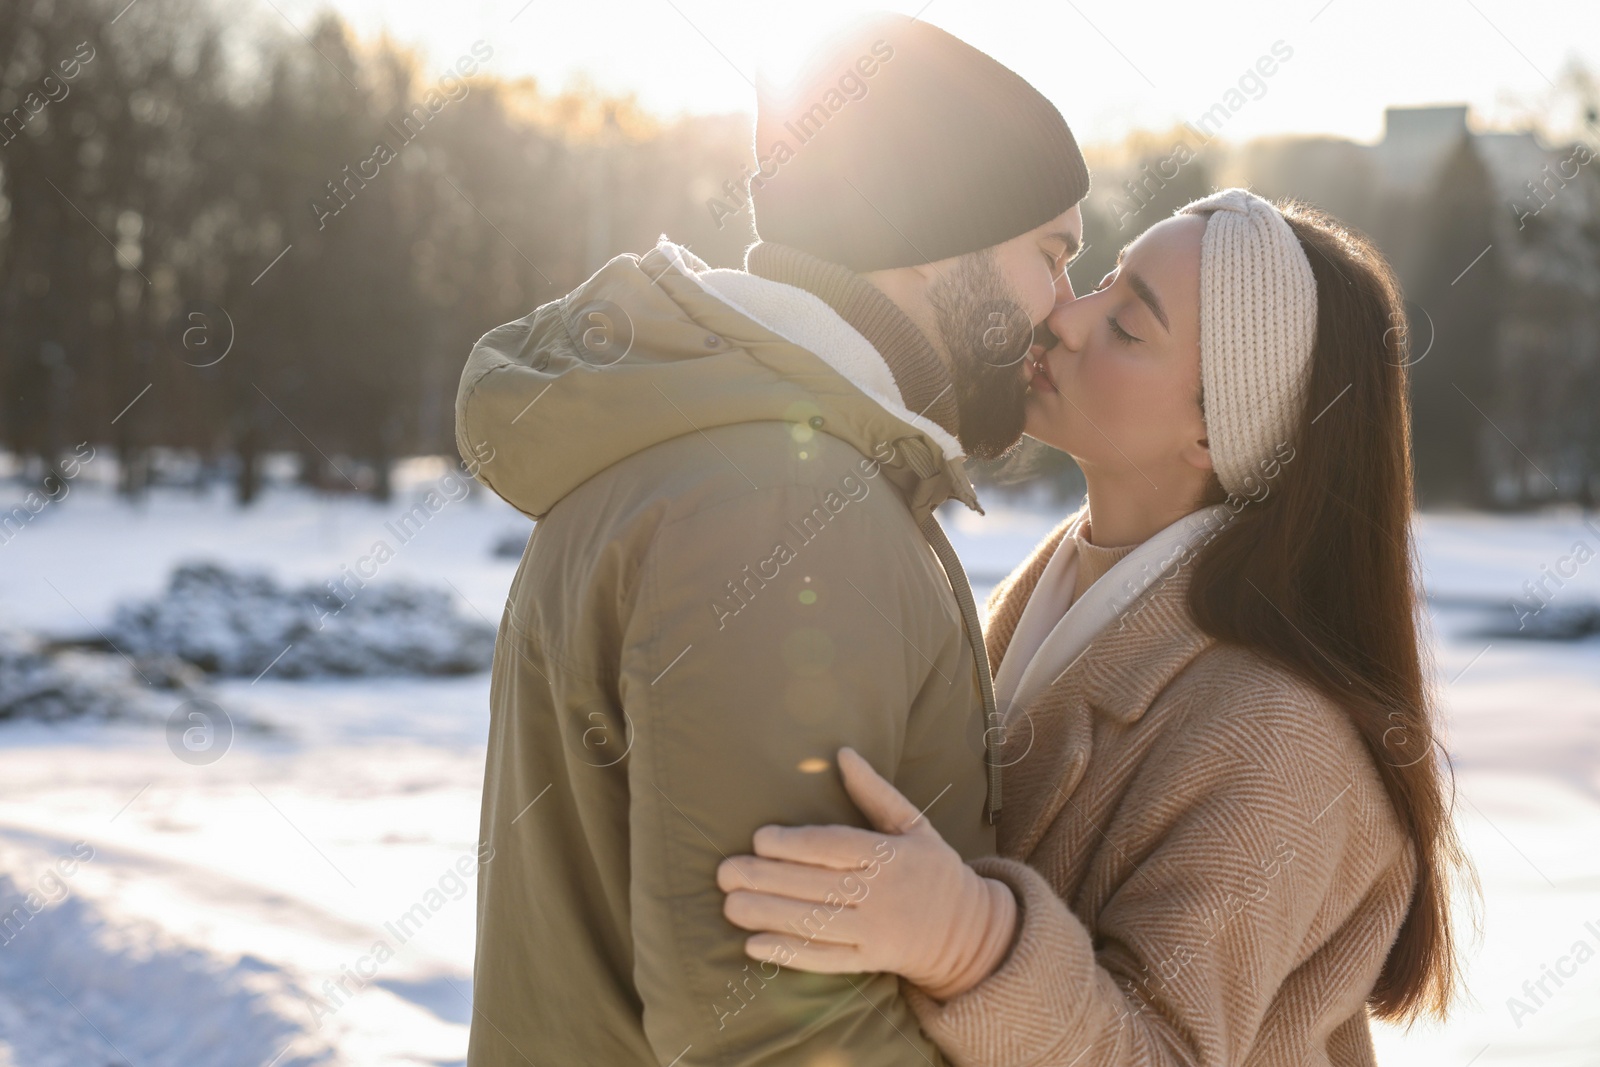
1142	290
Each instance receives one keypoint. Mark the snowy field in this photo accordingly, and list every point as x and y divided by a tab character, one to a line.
206	914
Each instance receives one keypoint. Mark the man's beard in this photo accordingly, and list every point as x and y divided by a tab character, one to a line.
986	333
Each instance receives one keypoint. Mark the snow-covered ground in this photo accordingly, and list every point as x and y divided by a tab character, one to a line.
206	913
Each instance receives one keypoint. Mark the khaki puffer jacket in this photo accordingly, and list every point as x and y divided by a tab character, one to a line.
728	580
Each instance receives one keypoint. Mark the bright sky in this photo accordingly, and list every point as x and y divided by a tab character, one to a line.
1110	65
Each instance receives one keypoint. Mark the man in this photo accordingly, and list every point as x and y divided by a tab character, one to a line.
731	576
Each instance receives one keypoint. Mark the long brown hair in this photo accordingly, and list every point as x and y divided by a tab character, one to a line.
1328	547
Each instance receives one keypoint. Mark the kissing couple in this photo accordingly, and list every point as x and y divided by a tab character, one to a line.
766	787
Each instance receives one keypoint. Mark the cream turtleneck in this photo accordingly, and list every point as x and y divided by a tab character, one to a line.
1093	561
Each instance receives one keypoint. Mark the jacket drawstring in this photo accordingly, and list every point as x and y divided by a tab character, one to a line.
969	617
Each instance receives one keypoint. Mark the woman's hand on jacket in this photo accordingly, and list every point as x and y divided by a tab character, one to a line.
839	900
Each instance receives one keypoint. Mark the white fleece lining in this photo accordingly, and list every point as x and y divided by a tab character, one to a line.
806	319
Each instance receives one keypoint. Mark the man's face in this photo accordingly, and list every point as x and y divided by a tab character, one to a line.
987	307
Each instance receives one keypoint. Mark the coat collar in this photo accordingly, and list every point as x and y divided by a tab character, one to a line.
1046	752
1011	595
1151	638
1134	658
1056	640
924	461
921	373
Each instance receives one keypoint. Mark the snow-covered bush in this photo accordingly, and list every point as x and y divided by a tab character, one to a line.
240	623
38	683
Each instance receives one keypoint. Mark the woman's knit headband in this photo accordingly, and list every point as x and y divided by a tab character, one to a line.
1258	321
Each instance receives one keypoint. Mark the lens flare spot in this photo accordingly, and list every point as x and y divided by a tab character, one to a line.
813	765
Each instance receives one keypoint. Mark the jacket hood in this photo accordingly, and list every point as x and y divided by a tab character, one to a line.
644	352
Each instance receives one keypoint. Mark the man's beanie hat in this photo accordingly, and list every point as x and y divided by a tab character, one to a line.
900	144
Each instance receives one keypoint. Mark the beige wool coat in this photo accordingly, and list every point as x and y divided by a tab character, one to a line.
1208	868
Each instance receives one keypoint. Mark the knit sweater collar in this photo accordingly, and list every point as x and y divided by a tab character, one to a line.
1093	560
919	371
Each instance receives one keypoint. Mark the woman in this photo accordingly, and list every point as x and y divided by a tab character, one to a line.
1226	837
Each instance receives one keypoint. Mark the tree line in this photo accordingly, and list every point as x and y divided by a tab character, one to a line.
223	239
232	244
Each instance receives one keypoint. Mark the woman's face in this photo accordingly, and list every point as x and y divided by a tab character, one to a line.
1120	391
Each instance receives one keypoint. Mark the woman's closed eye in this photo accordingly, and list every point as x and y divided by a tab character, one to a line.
1122	336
